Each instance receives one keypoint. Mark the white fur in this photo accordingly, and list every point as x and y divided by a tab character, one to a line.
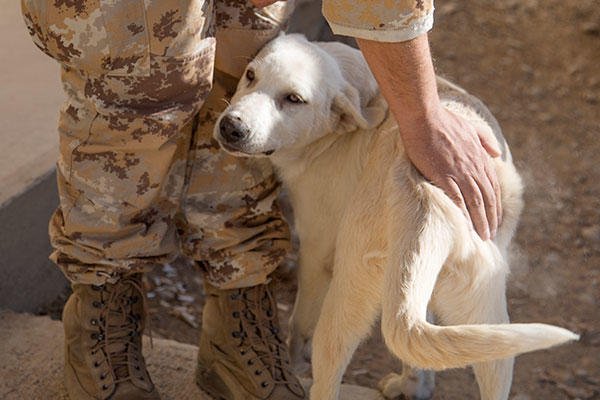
376	238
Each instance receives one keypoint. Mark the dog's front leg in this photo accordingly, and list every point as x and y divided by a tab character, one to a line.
350	308
480	299
313	281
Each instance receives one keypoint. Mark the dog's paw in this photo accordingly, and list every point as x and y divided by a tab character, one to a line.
416	385
301	368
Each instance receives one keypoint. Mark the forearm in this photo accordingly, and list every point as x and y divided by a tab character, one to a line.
406	77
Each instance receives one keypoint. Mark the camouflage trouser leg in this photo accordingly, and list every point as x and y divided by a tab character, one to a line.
135	74
235	228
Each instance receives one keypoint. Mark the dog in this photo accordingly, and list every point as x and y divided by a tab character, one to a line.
376	238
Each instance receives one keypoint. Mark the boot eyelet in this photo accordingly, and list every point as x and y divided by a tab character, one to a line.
96	364
96	304
269	313
242	352
94	321
102	377
264	384
250	362
235	314
104	387
258	372
97	288
235	334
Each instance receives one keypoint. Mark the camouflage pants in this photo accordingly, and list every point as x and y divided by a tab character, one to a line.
139	175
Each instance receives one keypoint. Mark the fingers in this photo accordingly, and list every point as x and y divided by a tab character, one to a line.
475	205
489	203
493	178
488	141
469	199
453	191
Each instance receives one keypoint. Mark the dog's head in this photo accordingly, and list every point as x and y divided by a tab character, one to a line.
295	92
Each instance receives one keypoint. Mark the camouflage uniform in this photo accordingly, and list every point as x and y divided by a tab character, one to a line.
139	175
380	20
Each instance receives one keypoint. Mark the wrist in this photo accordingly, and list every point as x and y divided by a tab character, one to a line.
415	119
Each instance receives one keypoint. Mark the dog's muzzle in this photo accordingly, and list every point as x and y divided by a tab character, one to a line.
233	130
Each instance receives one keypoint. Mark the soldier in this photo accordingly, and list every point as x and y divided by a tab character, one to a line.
140	178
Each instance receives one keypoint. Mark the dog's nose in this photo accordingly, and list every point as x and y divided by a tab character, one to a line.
232	129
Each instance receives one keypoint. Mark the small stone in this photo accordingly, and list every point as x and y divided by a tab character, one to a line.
164	303
448	8
180	287
546	117
360	371
591	232
590	97
591	28
169	271
185	298
183	314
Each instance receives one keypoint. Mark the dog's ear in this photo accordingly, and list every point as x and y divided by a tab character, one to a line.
359	102
352	115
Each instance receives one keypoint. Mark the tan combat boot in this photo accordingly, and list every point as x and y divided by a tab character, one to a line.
103	342
241	355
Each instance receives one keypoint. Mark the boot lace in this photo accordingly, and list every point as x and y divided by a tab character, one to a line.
120	327
259	331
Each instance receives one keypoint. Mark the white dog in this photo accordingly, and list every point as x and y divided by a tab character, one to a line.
376	239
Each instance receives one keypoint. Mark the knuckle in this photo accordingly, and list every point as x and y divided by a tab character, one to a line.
475	202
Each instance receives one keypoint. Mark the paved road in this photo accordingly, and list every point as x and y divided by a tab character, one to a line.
30	96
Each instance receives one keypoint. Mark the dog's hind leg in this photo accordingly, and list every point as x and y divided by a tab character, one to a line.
349	310
473	292
412	383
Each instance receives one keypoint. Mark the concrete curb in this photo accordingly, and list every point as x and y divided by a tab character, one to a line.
29	280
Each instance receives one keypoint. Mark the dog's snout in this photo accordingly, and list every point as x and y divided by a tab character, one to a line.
233	129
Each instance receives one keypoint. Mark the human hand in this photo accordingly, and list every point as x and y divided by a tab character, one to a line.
455	155
263	3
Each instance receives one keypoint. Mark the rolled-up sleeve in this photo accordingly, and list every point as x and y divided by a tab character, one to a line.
380	20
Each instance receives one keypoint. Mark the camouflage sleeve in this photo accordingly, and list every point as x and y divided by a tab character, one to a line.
380	20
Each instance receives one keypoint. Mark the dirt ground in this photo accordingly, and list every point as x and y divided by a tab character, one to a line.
537	66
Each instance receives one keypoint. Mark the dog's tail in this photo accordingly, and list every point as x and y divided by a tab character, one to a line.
413	267
428	346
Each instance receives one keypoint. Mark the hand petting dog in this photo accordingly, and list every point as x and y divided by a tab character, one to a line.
447	150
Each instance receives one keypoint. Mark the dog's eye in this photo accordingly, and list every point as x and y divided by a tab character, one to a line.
294	98
250	75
